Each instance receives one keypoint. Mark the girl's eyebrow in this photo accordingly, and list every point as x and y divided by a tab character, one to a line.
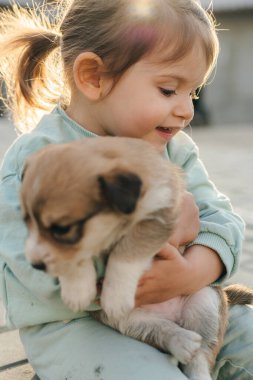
179	78
176	77
172	76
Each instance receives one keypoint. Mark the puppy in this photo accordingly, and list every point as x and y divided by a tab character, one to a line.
117	198
88	198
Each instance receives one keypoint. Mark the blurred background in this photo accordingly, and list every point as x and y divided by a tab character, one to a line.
223	122
222	128
228	99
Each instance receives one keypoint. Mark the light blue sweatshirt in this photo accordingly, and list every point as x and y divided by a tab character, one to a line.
32	297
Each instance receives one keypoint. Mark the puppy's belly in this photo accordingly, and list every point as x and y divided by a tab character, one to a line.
171	309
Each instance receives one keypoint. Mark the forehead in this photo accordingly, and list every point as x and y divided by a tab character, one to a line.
192	68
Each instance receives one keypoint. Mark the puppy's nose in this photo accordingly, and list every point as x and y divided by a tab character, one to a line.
39	266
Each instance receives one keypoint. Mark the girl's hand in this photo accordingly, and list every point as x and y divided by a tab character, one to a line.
167	278
174	275
170	274
188	224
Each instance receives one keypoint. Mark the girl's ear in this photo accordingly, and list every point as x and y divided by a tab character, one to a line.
87	71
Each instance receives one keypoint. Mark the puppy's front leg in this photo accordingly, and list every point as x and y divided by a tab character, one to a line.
120	283
128	261
78	286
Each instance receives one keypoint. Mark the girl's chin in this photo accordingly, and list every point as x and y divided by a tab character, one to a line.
162	149
159	147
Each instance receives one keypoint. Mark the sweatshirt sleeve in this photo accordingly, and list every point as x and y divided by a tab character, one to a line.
220	228
27	296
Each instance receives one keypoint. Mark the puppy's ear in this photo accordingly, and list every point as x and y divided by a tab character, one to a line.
120	190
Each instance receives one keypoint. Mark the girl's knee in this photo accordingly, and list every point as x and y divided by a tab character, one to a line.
85	349
240	320
235	358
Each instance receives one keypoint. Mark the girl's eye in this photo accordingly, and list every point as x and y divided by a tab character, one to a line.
167	92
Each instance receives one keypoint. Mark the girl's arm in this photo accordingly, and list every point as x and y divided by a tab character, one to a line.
213	255
173	274
29	296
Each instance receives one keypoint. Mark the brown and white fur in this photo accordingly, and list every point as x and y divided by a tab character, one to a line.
117	197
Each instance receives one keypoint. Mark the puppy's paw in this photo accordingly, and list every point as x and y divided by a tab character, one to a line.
198	367
119	287
184	345
76	296
116	304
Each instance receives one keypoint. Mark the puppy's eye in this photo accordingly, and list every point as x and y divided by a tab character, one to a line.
58	230
69	234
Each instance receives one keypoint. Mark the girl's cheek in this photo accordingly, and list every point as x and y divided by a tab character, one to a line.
143	128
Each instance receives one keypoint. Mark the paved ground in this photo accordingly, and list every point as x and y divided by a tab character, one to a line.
227	154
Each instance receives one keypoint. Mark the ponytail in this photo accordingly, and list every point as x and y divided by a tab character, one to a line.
28	65
119	32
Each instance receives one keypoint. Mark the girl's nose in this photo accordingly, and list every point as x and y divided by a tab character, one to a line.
184	107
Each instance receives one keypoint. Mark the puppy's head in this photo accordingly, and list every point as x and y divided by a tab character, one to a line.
75	203
79	199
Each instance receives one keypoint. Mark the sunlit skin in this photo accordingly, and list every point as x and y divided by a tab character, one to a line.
148	96
154	102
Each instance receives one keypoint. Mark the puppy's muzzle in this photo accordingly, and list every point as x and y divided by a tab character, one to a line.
39	266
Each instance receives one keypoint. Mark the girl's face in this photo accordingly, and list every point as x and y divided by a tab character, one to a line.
152	101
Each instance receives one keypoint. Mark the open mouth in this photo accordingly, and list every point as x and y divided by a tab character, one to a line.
165	129
167	132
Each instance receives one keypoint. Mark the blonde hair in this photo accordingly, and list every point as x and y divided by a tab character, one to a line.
37	54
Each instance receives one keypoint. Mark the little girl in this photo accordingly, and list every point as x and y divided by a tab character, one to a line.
119	68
